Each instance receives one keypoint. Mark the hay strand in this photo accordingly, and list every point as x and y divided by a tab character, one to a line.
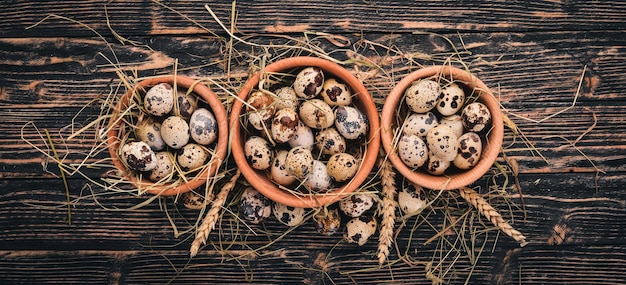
208	224
491	214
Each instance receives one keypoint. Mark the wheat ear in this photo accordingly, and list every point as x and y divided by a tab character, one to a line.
490	213
388	213
208	224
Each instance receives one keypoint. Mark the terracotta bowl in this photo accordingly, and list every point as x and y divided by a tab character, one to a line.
454	179
217	108
260	181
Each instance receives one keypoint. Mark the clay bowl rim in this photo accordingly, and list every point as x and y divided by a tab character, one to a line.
221	148
364	102
491	149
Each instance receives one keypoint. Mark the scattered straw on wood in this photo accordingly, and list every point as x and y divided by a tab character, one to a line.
388	213
491	214
208	224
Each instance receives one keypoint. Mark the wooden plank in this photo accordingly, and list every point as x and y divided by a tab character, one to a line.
140	17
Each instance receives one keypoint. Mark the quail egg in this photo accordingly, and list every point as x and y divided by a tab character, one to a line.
299	162
260	109
419	124
318	179
336	93
303	136
203	126
437	166
412	199
476	117
284	125
139	156
149	131
451	99
355	205
164	167
470	149
359	230
442	142
278	172
192	156
175	132
254	207
159	99
413	151
316	114
193	200
309	82
258	153
287	215
422	95
327	221
350	122
455	123
330	142
286	98
342	166
186	104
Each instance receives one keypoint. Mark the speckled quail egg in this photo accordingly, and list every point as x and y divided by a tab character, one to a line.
303	136
442	142
203	126
336	93
437	166
351	123
413	151
330	142
327	221
318	179
451	99
422	95
260	109
254	207
149	131
342	166
359	230
287	215
278	172
258	152
412	199
455	123
284	125
164	167
139	156
286	98
470	149
186	104
309	82
476	117
192	156
193	200
355	205
316	114
175	132
419	124
159	99
299	162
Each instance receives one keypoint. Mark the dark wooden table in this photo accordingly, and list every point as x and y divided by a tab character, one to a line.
533	54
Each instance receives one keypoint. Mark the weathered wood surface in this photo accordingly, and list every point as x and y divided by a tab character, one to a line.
531	53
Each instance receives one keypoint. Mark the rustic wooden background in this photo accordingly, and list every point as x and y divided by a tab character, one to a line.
532	53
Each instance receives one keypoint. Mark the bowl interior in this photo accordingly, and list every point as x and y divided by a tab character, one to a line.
394	107
117	129
260	181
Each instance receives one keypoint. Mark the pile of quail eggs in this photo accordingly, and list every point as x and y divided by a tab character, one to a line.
355	210
442	131
301	135
175	130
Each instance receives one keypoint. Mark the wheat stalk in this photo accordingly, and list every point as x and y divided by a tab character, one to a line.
491	214
208	224
388	213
